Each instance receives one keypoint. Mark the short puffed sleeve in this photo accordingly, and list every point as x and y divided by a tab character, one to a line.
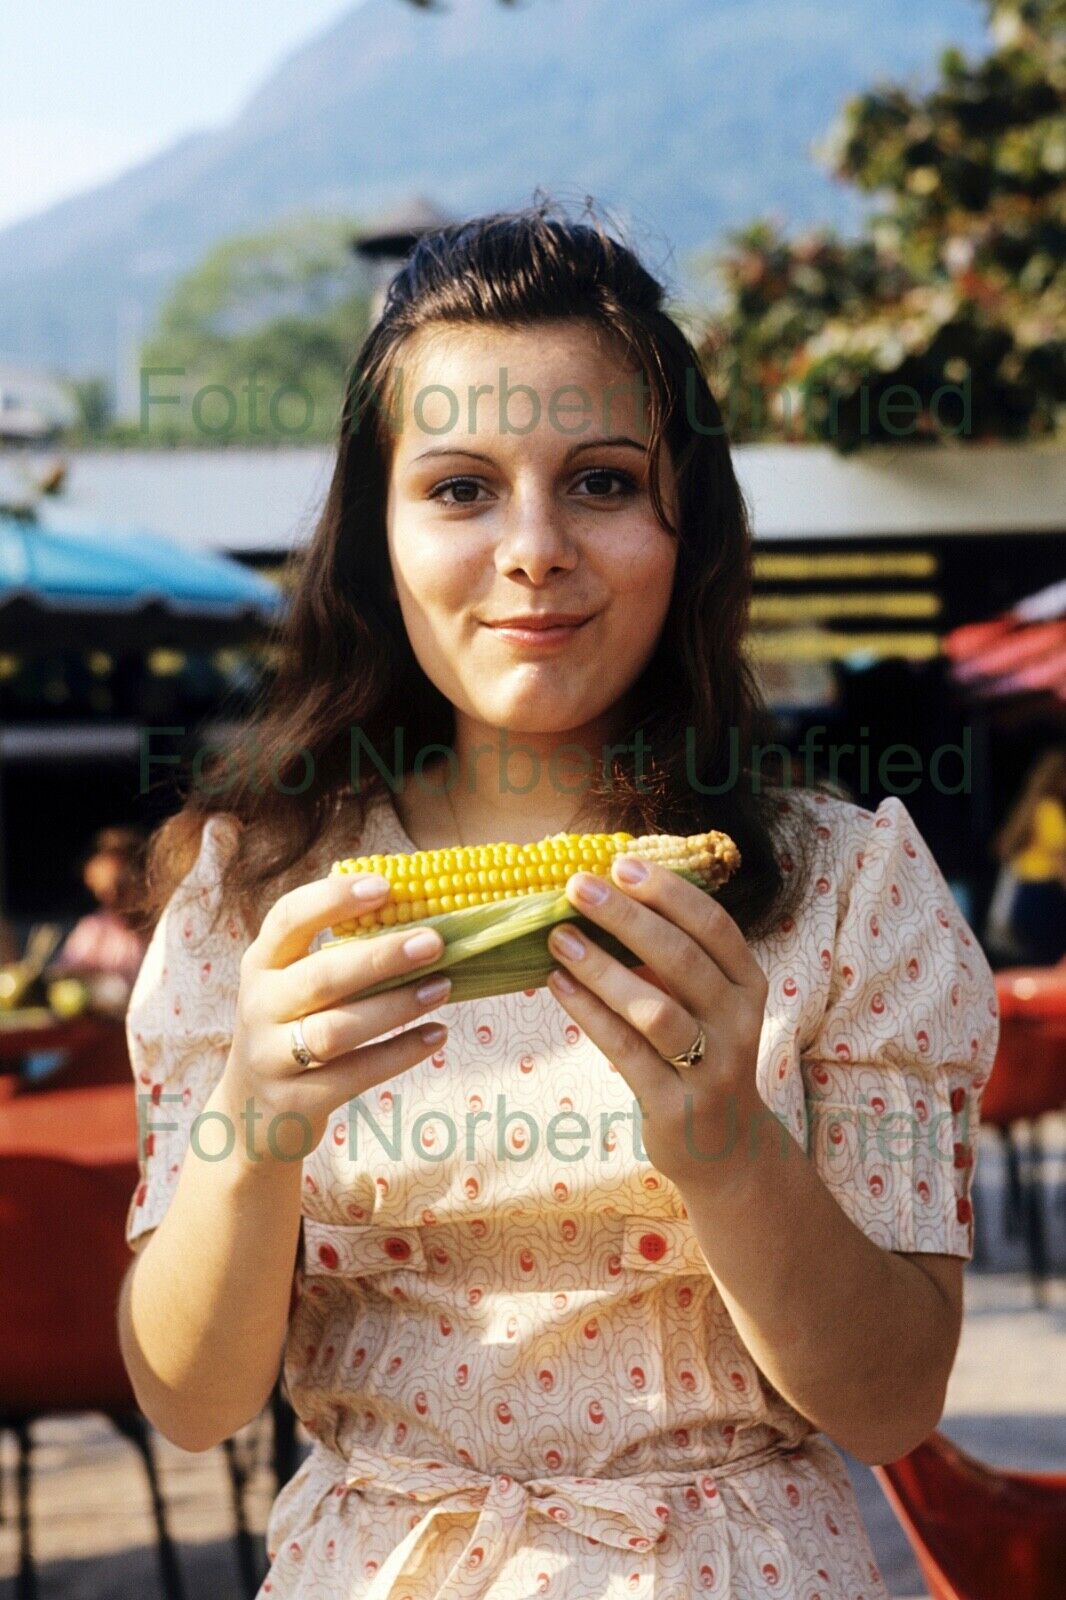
179	1024
894	1071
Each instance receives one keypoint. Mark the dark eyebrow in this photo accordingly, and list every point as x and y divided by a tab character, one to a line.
575	449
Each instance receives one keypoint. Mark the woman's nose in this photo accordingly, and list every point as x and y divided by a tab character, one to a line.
534	536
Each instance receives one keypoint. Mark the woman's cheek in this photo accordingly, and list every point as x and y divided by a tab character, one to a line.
643	578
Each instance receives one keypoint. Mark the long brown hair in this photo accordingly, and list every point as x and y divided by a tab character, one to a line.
344	658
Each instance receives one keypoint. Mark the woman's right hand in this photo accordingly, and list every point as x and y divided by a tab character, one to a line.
281	981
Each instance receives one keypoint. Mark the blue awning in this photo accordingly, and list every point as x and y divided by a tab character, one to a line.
117	566
131	582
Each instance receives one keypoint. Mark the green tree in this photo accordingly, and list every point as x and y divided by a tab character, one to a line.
255	342
93	398
947	316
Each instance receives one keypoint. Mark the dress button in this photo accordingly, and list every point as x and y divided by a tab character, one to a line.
652	1246
398	1249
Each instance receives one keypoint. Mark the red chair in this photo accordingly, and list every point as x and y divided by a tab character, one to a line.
67	1171
1029	1077
979	1532
1027	1081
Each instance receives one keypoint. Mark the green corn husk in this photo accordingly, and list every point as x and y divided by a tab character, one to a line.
502	947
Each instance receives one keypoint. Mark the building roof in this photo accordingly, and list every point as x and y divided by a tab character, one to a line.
395	233
799	492
268	500
33	404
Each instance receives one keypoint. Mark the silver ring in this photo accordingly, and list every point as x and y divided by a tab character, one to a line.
300	1053
693	1055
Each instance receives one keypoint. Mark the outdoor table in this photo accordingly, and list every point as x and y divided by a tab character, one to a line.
37	1028
92	1125
94	1041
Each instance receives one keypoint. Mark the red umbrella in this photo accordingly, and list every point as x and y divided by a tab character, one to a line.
967	642
1023	651
1027	645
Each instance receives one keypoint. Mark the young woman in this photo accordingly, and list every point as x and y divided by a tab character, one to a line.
569	1307
1031	849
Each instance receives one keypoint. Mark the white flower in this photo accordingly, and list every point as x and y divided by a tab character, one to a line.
958	253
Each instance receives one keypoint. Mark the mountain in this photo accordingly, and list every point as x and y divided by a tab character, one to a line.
681	118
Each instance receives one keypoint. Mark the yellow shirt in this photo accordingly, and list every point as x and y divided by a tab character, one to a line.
1042	856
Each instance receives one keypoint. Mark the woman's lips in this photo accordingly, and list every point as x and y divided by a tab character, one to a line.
538	638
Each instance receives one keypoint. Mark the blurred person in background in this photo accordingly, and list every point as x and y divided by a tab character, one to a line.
108	943
1027	920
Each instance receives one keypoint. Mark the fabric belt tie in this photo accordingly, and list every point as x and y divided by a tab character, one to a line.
629	1514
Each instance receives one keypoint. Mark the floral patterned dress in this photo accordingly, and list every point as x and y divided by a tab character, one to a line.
504	1337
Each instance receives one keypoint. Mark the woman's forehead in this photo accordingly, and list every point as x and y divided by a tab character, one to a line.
575	339
566	380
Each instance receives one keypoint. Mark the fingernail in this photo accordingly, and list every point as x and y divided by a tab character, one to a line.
435	1033
591	889
369	886
433	989
423	944
629	869
562	980
567	943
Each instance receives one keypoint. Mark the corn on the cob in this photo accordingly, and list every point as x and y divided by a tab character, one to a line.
494	905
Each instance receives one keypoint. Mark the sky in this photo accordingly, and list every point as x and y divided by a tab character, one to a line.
91	89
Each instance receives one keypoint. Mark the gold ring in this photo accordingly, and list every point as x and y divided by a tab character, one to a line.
691	1056
301	1054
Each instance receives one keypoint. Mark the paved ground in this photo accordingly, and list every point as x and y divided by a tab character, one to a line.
93	1530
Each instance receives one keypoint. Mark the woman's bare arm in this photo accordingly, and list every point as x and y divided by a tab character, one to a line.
859	1339
204	1307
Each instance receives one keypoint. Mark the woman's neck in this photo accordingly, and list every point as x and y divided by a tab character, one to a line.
490	789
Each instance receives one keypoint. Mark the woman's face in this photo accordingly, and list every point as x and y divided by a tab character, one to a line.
501	510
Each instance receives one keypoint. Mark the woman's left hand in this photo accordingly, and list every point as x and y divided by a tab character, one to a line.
700	973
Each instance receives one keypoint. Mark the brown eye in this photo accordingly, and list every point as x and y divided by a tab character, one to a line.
456	484
603	475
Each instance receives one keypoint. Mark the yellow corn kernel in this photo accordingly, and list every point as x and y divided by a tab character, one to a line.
431	882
